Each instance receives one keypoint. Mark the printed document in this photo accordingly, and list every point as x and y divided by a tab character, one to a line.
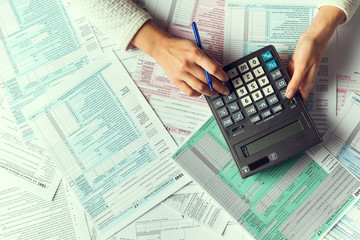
25	165
40	43
108	143
26	216
301	198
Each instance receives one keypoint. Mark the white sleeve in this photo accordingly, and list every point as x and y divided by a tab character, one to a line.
119	19
348	6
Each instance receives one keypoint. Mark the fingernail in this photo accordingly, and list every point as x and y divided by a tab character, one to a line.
289	93
227	92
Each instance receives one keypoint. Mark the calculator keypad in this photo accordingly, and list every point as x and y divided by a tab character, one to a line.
258	84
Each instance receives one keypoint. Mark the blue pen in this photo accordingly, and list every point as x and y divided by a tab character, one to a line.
198	42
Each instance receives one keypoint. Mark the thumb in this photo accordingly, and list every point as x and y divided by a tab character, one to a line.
295	82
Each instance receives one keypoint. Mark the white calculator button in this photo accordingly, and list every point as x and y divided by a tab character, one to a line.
243	67
257	95
254	62
246	101
237	82
252	86
263	81
258	71
248	77
268	90
241	91
232	73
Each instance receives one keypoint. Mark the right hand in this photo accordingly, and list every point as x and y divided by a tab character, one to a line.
182	60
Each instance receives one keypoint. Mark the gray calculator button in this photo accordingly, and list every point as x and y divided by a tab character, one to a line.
232	73
227	122
276	74
223	112
255	119
280	84
250	110
272	99
218	103
266	114
215	96
277	108
283	94
238	116
261	105
233	107
229	98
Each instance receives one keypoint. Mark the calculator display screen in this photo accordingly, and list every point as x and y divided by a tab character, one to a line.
272	138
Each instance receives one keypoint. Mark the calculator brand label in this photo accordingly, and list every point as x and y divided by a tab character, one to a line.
273	156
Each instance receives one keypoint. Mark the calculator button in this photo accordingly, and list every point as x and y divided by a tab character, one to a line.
283	94
257	95
255	119
272	99
248	77
258	71
271	65
243	67
233	107
218	103
266	56
232	73
215	96
261	105
237	82
280	84
276	74
223	112
268	90
254	62
246	101
263	81
238	116
252	86
266	114
250	110
277	108
229	98
227	122
241	91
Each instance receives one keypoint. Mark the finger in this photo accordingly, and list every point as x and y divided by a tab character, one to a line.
295	82
290	68
219	87
187	89
199	73
198	85
206	63
307	84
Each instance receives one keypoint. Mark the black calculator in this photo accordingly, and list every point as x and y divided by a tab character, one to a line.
260	125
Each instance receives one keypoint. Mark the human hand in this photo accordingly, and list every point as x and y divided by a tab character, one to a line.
304	64
182	60
184	63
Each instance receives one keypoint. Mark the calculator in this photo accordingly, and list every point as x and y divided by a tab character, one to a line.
262	128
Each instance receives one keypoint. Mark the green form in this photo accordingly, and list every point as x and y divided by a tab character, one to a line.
301	198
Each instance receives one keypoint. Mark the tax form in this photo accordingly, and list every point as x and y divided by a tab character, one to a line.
251	25
25	165
40	42
26	216
301	198
343	140
108	143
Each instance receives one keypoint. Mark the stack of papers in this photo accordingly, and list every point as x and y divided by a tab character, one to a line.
87	132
